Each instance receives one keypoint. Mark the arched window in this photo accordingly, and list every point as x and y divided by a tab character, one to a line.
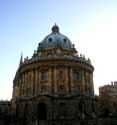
42	111
80	107
43	75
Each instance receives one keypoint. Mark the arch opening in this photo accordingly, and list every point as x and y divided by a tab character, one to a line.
42	111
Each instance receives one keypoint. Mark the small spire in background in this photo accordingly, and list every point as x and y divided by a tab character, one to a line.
21	60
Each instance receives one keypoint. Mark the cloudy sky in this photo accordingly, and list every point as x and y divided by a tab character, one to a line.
90	24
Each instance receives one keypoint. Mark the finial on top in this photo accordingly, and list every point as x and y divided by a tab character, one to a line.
55	29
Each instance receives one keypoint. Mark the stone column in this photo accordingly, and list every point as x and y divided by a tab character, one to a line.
36	81
71	79
24	85
66	79
29	83
30	79
33	81
26	82
92	86
20	87
55	80
50	80
83	81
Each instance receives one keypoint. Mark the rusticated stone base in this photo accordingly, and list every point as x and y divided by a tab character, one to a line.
106	121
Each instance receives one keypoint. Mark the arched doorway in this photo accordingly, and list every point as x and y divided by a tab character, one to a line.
42	111
17	110
26	107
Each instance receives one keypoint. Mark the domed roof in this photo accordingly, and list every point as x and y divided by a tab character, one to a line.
55	39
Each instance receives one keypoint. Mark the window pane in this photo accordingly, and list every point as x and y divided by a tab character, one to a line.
43	75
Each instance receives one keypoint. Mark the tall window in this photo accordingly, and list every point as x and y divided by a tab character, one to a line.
43	75
61	75
76	75
28	91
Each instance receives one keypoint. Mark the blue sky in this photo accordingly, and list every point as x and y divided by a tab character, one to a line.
90	24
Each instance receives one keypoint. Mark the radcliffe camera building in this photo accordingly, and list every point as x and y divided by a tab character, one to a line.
55	87
56	83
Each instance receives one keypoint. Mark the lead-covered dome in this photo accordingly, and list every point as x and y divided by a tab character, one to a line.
55	39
